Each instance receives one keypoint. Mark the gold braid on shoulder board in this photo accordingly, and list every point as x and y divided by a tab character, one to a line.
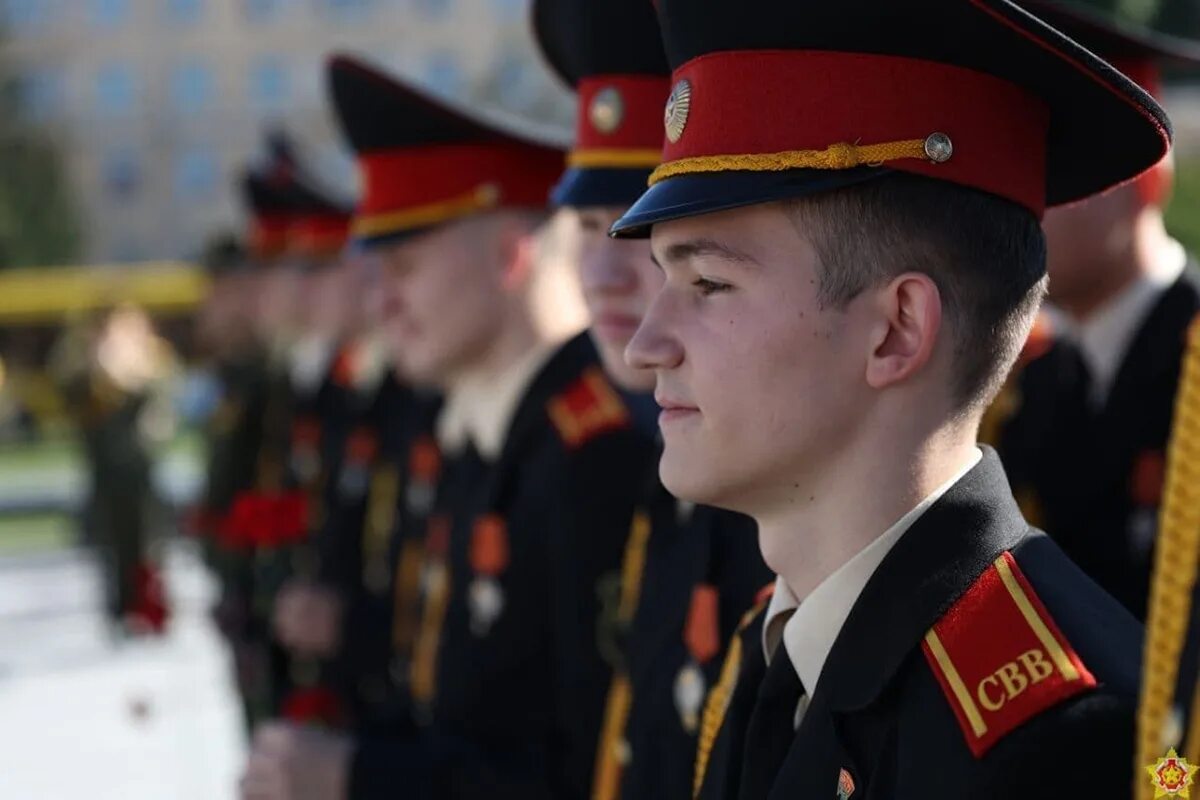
1174	577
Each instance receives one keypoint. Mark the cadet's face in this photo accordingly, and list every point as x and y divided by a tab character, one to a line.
279	307
756	380
1082	241
442	300
619	281
327	301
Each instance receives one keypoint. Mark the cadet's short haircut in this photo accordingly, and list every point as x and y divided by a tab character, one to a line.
986	255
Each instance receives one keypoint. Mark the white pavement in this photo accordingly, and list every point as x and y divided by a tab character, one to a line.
84	717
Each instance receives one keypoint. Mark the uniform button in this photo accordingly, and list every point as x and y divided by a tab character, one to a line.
939	148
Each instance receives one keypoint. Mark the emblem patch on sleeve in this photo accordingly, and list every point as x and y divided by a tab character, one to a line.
999	657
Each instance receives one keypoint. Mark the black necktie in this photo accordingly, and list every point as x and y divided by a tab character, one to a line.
772	726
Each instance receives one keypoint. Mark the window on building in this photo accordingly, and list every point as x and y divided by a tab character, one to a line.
193	87
348	9
433	9
269	84
116	90
516	82
40	94
196	173
262	10
27	16
443	74
121	173
110	13
185	12
508	10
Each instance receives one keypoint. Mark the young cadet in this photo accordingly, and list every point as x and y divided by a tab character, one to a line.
304	417
236	436
847	219
689	573
506	678
1087	443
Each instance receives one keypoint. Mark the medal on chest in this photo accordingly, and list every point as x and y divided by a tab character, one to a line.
305	460
424	466
489	558
1145	491
361	448
701	634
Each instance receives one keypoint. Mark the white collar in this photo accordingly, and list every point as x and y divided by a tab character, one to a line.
1106	335
309	361
810	632
481	408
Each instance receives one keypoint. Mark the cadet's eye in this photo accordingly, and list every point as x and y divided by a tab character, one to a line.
708	287
592	224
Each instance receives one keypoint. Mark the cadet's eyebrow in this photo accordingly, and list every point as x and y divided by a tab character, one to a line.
698	248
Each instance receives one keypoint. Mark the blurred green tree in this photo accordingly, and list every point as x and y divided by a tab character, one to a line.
1183	215
38	219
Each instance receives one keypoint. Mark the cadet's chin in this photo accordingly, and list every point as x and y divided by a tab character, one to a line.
686	476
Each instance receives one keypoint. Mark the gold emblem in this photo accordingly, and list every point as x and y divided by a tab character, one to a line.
1171	776
607	110
678	104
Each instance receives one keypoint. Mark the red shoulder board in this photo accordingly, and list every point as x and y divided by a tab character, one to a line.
586	409
1000	658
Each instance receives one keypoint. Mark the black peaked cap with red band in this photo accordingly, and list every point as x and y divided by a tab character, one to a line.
269	216
792	97
424	163
289	213
610	52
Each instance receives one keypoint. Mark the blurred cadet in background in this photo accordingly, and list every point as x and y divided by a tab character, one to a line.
274	328
498	609
117	373
1089	415
689	573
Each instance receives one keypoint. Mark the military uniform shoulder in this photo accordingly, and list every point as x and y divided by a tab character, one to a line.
587	408
1030	634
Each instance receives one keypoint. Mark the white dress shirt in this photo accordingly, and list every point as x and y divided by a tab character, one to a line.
481	408
808	629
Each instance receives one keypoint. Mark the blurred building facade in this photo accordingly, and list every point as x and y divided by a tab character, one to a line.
156	104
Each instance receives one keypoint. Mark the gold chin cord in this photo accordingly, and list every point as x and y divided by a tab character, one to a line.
1175	565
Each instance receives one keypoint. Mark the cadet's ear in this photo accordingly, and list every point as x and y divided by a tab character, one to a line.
518	251
908	318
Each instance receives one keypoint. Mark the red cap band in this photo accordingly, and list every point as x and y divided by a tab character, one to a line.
620	117
417	187
748	103
319	233
268	235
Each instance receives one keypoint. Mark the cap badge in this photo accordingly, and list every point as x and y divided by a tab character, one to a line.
678	104
607	110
